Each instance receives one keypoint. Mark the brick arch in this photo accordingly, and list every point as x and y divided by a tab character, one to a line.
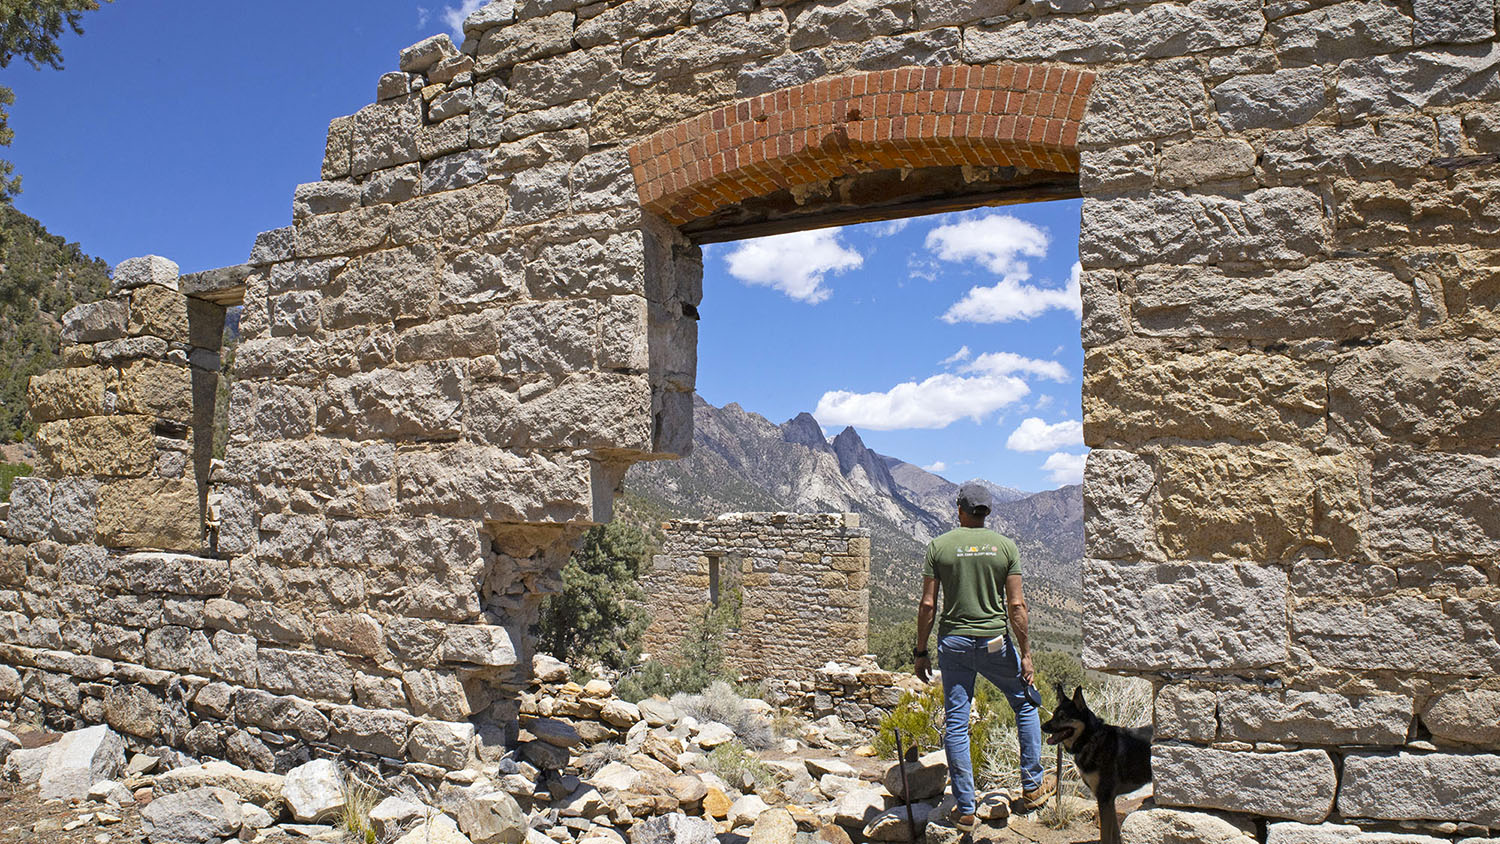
994	115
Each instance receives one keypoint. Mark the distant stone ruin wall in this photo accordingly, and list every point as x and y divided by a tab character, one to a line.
803	579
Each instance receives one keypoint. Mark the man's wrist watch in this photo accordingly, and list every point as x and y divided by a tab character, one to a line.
919	654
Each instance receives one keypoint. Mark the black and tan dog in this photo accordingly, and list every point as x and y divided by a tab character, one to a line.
1113	760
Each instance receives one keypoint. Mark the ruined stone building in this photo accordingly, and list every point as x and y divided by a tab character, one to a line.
486	310
802	582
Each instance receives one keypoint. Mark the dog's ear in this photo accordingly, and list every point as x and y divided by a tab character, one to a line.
1062	693
1078	700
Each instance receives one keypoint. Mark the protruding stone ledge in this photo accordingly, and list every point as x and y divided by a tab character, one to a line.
223	286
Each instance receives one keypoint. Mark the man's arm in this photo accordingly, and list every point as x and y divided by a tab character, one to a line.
1015	602
926	612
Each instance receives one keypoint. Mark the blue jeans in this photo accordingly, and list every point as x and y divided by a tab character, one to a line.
960	659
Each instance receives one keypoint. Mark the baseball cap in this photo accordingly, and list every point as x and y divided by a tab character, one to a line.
973	496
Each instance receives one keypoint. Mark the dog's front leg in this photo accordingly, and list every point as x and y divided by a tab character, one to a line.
1109	822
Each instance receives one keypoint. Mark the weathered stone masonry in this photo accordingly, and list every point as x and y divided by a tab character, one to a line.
473	325
804	580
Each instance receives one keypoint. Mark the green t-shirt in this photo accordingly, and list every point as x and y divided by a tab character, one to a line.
971	565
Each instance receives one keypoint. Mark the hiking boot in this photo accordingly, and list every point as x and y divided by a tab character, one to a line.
964	822
1037	797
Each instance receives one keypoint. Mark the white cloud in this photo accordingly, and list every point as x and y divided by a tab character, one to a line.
937	402
1036	435
424	15
794	263
935	467
890	227
996	241
1010	363
454	17
1012	299
959	356
1064	468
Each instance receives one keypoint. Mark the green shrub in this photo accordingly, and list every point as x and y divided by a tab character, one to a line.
891	645
736	766
8	474
598	615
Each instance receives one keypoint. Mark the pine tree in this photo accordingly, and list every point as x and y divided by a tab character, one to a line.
598	615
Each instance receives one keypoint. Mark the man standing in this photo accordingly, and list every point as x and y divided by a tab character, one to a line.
979	573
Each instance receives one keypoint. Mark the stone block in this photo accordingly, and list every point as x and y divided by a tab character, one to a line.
135	711
1134	396
1167	29
1161	100
1169	826
67	394
159	312
1271	224
494	484
305	673
119	446
552	337
451	104
75	503
1116	484
479	278
139	272
155	388
849	20
1454	636
1334	299
395	185
1305	717
80	759
524	40
423	402
382	732
1431	786
440	141
584	411
96	321
273	246
1452	21
1434	503
1257	502
1426	393
169	574
160	513
727	40
382	287
180	649
336	151
631	21
384	135
442	743
1418	80
1465	716
421	56
1341	30
1205	160
337	234
30	516
235	658
1299	785
1183	616
436	694
283	714
480	644
575	75
1183	712
1394	147
1270	100
315	198
959	12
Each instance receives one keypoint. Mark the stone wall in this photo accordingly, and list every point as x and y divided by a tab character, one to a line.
860	693
803	578
472	327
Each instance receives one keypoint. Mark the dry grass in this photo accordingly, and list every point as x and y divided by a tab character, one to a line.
720	702
359	798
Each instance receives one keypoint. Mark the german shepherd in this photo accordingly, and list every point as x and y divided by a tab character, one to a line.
1113	760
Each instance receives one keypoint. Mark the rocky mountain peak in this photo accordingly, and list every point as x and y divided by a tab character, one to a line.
803	429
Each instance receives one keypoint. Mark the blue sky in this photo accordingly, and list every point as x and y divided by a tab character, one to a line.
181	128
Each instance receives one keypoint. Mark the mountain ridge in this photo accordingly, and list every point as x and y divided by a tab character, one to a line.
743	462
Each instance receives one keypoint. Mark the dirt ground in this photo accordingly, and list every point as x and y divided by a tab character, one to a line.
23	817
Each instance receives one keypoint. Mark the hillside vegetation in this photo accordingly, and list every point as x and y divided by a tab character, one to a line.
41	277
